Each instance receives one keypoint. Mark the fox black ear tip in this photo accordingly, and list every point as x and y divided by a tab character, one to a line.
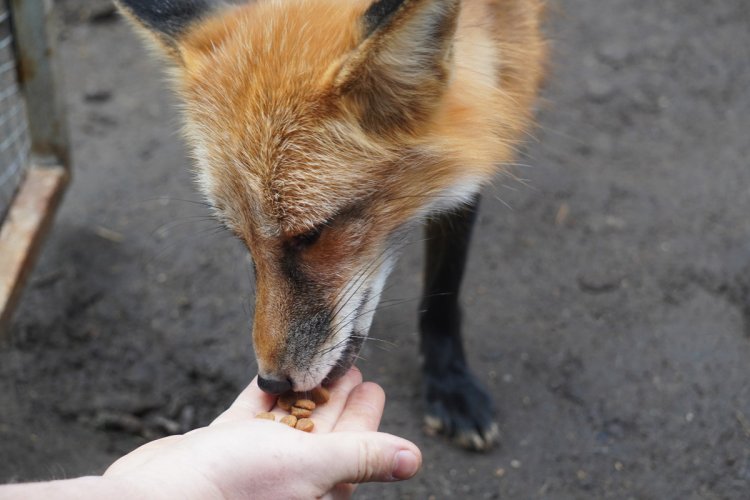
379	12
168	18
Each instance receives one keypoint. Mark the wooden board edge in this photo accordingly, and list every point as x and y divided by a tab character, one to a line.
23	230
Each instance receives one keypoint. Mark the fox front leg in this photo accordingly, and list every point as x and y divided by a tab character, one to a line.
457	404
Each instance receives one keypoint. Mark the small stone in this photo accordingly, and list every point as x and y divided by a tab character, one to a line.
500	472
562	214
597	281
265	415
119	422
187	417
167	425
516	464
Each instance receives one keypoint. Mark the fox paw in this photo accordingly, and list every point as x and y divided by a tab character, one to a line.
461	409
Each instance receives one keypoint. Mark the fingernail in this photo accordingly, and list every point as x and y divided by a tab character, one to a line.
405	465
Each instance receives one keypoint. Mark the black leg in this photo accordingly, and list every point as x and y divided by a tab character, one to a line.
457	404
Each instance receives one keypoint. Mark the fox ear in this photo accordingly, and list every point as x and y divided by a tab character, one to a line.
165	21
399	71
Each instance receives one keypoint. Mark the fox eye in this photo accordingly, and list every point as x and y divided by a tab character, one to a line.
307	239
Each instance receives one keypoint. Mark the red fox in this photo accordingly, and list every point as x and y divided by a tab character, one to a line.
323	131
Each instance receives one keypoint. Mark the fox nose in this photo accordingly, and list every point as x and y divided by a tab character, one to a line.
273	385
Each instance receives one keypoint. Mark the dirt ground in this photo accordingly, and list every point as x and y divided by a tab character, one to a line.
607	297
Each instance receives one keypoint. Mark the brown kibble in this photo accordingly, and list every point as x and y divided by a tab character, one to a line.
305	424
286	401
320	395
264	415
305	404
289	420
300	412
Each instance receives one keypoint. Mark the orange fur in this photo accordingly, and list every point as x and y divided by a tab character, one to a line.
294	115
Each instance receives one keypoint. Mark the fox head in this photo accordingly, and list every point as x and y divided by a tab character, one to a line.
322	130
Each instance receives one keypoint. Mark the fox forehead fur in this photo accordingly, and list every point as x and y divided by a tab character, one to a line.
304	112
272	116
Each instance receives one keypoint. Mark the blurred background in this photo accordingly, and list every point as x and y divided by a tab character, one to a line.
607	296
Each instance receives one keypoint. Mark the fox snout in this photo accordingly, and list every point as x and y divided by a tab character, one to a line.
310	323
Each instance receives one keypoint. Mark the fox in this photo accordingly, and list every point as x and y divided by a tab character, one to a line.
325	131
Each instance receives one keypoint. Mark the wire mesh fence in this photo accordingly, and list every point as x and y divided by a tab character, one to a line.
15	143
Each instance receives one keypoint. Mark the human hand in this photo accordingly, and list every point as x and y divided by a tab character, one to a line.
239	456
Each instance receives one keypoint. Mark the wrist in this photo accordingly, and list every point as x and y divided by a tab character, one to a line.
75	489
187	485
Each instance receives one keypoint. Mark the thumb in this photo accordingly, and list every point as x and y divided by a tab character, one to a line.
363	457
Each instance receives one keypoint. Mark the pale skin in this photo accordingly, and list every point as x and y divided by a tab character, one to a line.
238	456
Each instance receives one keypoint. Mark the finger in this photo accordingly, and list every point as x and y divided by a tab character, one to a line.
362	412
326	415
363	409
363	457
249	403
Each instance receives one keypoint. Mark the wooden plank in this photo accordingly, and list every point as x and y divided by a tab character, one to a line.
23	231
